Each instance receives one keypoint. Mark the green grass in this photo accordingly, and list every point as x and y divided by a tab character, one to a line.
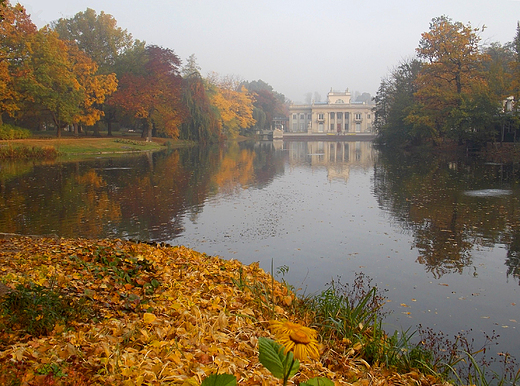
350	316
37	309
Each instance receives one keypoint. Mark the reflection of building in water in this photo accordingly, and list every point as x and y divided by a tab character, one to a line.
336	116
337	156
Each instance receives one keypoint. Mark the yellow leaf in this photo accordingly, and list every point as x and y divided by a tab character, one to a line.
190	382
149	318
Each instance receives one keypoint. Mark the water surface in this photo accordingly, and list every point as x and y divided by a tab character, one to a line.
442	235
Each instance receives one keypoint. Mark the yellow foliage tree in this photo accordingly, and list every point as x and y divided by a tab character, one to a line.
235	107
95	87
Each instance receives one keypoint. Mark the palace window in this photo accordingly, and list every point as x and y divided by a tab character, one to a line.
331	115
357	116
368	116
340	115
302	116
294	116
321	116
309	116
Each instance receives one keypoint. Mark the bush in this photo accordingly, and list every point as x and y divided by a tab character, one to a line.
25	152
13	132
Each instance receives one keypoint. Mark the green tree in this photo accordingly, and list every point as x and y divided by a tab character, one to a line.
202	120
268	103
393	102
191	68
97	35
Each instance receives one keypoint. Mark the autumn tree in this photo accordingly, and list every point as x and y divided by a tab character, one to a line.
104	42
452	73
234	103
97	35
95	87
152	92
64	83
16	33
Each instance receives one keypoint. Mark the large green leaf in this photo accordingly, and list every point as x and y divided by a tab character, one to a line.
273	357
318	381
220	380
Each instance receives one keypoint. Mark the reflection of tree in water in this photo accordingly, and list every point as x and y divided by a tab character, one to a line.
442	251
513	256
426	197
146	197
155	202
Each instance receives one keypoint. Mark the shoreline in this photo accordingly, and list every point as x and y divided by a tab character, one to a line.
195	322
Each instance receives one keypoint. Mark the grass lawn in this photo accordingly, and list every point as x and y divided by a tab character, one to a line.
80	146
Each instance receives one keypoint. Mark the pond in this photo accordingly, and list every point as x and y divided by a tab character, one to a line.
440	234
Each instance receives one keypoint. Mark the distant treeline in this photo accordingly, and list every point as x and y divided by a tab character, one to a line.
455	90
86	73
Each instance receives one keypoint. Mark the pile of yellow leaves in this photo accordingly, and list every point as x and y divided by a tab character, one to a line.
195	322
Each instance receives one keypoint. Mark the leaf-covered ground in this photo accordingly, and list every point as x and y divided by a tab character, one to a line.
160	315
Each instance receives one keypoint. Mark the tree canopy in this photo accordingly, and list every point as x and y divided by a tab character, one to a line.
86	71
453	91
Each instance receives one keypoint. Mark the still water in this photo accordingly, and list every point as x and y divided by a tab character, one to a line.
441	235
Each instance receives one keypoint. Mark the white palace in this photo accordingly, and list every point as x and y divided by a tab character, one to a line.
336	116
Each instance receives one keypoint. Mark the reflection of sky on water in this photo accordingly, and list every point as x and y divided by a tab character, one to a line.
322	209
488	192
323	229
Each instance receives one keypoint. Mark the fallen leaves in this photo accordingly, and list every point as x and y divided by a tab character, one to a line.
163	315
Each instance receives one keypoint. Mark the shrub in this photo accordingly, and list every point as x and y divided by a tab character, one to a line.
13	132
25	152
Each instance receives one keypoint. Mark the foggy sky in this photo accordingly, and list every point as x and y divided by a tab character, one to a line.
295	46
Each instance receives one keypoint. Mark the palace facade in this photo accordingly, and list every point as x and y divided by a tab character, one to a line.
336	116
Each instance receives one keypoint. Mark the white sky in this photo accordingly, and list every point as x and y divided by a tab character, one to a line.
297	46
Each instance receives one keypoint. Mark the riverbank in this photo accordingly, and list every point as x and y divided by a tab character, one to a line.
68	147
153	314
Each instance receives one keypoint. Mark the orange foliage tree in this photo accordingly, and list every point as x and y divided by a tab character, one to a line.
153	93
451	76
16	29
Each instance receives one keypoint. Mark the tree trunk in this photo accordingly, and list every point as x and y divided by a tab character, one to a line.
149	131
109	128
96	131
